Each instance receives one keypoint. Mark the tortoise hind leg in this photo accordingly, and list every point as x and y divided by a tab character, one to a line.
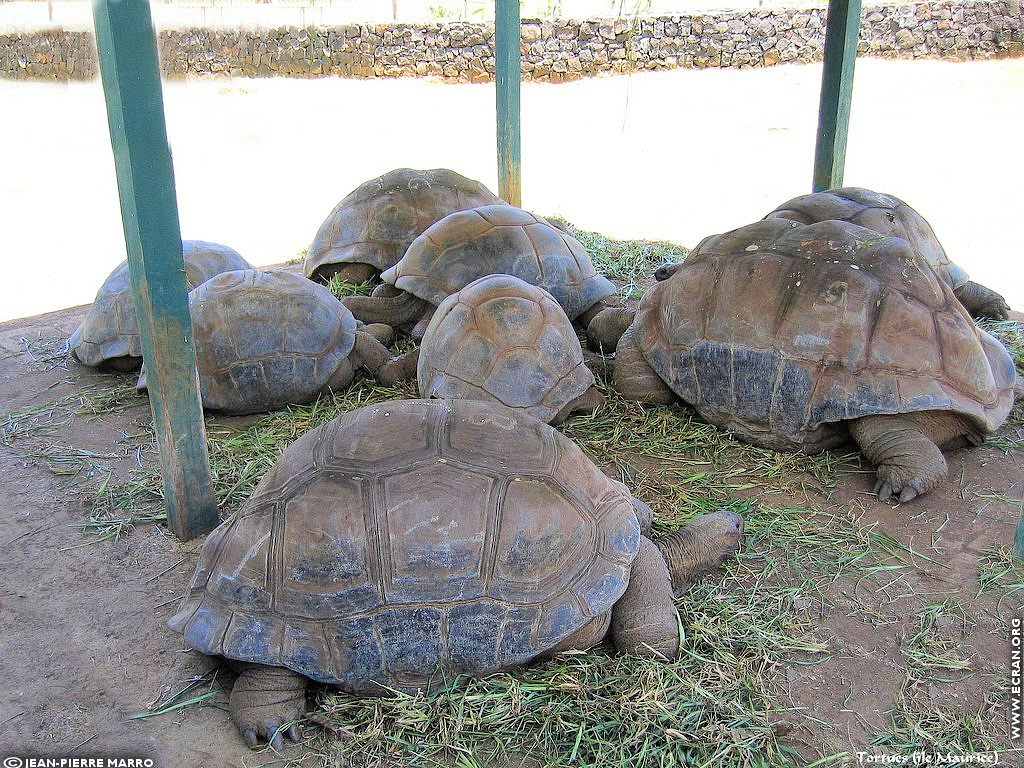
905	449
982	302
263	700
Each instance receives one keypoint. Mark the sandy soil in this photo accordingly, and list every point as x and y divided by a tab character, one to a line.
675	155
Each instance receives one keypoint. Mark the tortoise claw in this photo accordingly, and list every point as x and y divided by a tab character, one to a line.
273	734
908	493
883	489
249	736
293	732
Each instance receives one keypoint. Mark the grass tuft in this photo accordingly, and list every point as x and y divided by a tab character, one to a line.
628	261
923	725
341	289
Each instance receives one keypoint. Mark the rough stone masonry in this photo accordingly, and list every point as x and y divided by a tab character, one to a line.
552	50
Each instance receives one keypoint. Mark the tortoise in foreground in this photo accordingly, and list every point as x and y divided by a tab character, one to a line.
888	215
488	240
799	337
109	336
371	228
504	340
267	339
406	542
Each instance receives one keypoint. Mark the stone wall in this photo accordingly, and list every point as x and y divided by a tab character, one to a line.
552	50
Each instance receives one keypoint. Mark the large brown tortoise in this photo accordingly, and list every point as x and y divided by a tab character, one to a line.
888	215
267	339
404	543
504	340
799	337
371	228
109	336
488	240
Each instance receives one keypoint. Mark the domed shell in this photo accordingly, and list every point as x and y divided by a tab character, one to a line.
110	330
885	214
411	537
267	339
780	332
499	239
504	340
376	222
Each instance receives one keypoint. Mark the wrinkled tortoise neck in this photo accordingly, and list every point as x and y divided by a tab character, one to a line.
393	310
688	555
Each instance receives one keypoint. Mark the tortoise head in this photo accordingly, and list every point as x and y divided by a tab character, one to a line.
704	544
665	271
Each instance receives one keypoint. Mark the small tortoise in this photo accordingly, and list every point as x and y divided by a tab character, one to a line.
109	337
407	542
371	228
889	215
504	340
798	337
267	339
489	240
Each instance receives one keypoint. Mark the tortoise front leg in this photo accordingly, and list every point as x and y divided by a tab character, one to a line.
982	302
633	377
375	358
905	449
263	700
644	620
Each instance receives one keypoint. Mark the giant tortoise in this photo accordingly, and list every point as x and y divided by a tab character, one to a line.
267	339
488	240
109	336
797	337
404	543
370	229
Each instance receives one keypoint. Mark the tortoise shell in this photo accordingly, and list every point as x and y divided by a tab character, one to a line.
378	220
884	214
267	339
499	239
504	340
110	331
411	537
779	332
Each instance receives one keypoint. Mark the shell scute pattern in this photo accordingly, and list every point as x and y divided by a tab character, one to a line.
502	339
110	330
264	339
786	330
885	214
376	222
499	239
342	588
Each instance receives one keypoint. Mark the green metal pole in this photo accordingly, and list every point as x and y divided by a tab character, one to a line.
841	32
145	179
507	75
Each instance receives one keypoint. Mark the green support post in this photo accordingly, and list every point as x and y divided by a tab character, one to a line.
145	179
506	77
841	31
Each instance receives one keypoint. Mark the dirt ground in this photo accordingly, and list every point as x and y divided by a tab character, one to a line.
84	644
